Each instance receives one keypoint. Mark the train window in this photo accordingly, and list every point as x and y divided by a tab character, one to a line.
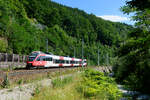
56	61
48	59
38	59
62	61
31	58
41	58
67	61
72	62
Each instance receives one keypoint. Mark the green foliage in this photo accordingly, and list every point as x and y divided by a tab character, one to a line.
132	66
96	85
20	82
133	62
26	24
3	45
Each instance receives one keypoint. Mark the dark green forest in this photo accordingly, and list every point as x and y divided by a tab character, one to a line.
25	25
133	62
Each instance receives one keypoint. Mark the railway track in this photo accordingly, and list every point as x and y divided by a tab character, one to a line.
18	73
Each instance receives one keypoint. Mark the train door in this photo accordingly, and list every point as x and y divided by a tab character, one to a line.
49	61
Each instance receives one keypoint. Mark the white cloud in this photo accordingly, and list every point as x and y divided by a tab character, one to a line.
114	18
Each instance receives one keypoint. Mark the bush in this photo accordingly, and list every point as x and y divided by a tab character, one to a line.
96	85
3	45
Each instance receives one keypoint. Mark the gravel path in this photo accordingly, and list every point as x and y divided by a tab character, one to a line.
23	92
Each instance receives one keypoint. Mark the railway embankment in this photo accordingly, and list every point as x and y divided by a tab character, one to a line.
25	87
22	84
22	73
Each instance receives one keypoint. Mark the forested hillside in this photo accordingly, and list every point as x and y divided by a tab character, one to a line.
133	63
25	25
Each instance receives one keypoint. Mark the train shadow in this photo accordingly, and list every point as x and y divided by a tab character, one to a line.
41	68
20	68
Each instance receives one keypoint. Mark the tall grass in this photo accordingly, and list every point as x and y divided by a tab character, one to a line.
62	89
90	85
61	82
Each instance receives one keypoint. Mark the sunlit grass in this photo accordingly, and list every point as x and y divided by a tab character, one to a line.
62	89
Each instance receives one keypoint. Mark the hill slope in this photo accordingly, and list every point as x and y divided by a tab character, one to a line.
26	24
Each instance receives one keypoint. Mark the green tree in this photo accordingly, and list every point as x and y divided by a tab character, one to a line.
133	56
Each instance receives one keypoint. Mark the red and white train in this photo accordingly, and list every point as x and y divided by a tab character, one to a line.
39	59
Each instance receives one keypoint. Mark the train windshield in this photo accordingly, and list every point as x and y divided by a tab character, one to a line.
34	54
31	58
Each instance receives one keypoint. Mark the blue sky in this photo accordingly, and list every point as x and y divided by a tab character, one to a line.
107	9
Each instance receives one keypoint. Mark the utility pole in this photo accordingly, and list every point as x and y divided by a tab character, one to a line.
74	52
82	51
107	59
47	45
98	57
89	60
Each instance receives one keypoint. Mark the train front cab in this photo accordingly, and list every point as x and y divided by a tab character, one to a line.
41	61
30	62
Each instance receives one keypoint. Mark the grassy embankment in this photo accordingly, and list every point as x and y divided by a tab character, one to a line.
89	85
24	79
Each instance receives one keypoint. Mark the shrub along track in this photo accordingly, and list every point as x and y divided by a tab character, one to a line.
21	73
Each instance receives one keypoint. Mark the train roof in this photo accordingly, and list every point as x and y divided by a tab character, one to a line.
54	56
37	52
